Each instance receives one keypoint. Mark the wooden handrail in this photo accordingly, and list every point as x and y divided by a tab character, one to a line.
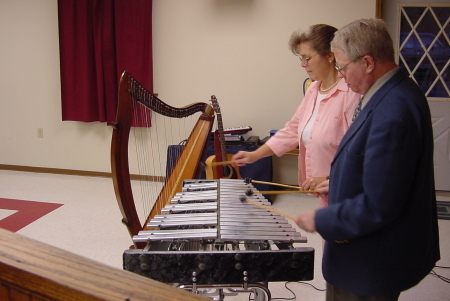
32	270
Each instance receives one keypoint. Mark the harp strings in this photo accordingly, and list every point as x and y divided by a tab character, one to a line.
153	134
142	121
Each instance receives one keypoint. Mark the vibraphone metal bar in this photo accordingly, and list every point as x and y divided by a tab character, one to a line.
207	235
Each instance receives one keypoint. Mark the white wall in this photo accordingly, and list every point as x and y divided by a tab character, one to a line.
234	49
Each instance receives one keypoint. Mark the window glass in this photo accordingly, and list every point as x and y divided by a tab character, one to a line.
424	48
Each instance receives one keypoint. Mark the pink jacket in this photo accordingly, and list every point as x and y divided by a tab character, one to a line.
333	119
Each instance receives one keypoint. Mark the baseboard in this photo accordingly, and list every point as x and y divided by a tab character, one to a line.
55	171
74	172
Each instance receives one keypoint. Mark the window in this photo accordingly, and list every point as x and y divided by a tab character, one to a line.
424	46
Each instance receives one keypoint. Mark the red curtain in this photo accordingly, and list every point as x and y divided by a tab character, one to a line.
99	39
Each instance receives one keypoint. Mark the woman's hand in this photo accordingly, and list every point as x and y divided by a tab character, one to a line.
322	189
242	158
311	183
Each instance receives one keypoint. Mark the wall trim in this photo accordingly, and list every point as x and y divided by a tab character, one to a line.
56	171
378	9
74	172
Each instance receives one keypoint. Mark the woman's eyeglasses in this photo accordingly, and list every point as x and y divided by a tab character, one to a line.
306	59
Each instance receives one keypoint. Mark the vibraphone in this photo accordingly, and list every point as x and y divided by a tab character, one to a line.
209	236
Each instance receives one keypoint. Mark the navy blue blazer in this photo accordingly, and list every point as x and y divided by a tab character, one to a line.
380	226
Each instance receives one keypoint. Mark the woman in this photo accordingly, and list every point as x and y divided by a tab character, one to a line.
322	118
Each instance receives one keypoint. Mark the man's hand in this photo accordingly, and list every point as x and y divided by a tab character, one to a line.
306	221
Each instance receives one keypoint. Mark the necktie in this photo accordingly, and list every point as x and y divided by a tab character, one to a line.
357	110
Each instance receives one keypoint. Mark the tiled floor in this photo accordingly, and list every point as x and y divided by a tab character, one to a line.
89	224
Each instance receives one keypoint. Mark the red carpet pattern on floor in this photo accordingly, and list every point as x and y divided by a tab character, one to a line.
27	212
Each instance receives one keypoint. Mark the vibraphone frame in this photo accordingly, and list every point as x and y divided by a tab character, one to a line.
239	259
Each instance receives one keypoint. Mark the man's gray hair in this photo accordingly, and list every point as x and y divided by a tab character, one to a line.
365	37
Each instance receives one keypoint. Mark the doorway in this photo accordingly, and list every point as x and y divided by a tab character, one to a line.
420	33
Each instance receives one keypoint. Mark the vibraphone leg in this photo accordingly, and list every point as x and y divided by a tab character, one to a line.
259	295
259	290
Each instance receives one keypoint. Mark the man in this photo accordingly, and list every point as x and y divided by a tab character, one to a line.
380	226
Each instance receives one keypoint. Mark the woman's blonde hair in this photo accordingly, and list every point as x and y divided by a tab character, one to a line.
319	36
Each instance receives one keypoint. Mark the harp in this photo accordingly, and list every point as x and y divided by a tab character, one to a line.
155	126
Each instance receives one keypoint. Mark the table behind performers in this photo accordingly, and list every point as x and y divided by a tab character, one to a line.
261	170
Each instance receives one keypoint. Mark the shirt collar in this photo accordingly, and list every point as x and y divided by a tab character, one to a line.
377	85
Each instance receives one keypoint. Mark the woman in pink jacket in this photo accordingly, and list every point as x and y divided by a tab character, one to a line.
322	118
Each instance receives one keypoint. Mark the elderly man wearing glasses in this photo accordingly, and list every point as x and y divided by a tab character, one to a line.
380	226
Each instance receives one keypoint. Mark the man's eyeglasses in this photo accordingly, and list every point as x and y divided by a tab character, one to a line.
341	69
306	59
